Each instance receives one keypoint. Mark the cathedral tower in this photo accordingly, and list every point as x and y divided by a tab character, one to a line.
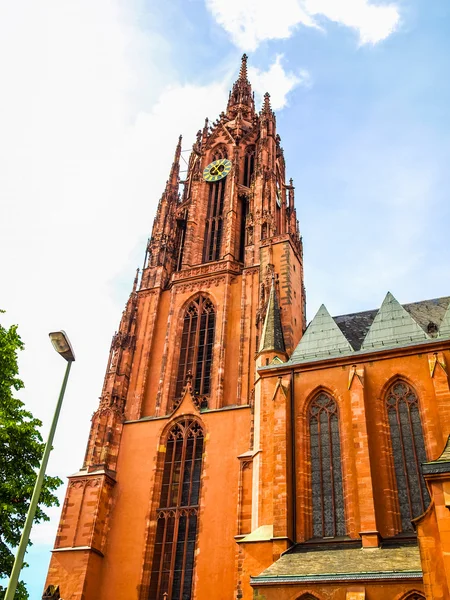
168	475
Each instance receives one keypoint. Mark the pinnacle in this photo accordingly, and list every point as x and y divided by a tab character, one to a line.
267	107
243	71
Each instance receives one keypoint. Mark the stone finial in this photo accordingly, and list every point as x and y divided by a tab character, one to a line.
266	106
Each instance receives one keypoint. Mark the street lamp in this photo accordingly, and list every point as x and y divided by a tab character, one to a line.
62	345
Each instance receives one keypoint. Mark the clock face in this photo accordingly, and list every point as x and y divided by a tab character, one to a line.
217	170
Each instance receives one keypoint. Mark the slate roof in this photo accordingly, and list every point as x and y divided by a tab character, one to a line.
356	325
393	325
344	564
322	338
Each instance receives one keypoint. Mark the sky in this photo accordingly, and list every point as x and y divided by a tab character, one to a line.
93	97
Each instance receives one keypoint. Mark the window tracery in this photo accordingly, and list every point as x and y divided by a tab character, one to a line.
196	352
408	449
177	515
326	472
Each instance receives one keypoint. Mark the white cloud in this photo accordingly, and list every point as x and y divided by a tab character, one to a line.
374	22
249	23
83	167
277	82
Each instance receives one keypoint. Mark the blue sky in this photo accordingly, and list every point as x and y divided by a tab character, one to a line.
94	95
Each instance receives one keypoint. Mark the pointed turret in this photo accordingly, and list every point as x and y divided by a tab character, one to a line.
241	97
175	170
272	339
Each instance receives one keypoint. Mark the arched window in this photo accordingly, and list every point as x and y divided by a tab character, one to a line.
214	217
249	165
177	515
408	450
326	471
197	341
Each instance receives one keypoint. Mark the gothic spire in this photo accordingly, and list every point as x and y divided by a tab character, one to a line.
241	97
272	339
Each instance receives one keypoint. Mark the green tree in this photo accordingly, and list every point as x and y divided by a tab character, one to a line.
21	449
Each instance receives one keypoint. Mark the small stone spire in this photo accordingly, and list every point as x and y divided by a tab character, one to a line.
135	283
205	129
243	71
175	170
272	339
266	105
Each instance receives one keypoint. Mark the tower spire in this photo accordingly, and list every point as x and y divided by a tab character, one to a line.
241	97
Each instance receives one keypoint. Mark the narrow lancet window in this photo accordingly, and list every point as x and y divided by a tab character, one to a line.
249	165
408	450
326	472
212	245
177	515
197	341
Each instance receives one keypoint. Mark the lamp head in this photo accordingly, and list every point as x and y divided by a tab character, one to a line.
62	345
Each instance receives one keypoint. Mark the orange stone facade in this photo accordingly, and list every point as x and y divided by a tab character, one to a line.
255	501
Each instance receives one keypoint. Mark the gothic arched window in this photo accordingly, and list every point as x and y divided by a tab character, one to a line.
177	515
214	216
249	165
197	341
408	450
326	472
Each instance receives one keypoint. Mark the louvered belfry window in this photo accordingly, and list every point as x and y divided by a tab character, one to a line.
177	515
326	472
408	450
249	165
214	216
197	341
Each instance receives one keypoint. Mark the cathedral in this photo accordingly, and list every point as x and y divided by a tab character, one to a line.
237	453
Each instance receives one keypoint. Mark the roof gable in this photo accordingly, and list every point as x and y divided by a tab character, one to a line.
392	326
322	339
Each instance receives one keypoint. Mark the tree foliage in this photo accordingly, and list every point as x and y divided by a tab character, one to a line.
21	449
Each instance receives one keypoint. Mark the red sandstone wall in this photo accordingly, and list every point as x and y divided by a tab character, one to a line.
127	559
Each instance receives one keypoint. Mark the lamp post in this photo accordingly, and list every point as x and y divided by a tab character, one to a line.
62	345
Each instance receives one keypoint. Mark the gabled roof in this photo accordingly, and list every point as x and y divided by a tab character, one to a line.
392	326
356	325
322	339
